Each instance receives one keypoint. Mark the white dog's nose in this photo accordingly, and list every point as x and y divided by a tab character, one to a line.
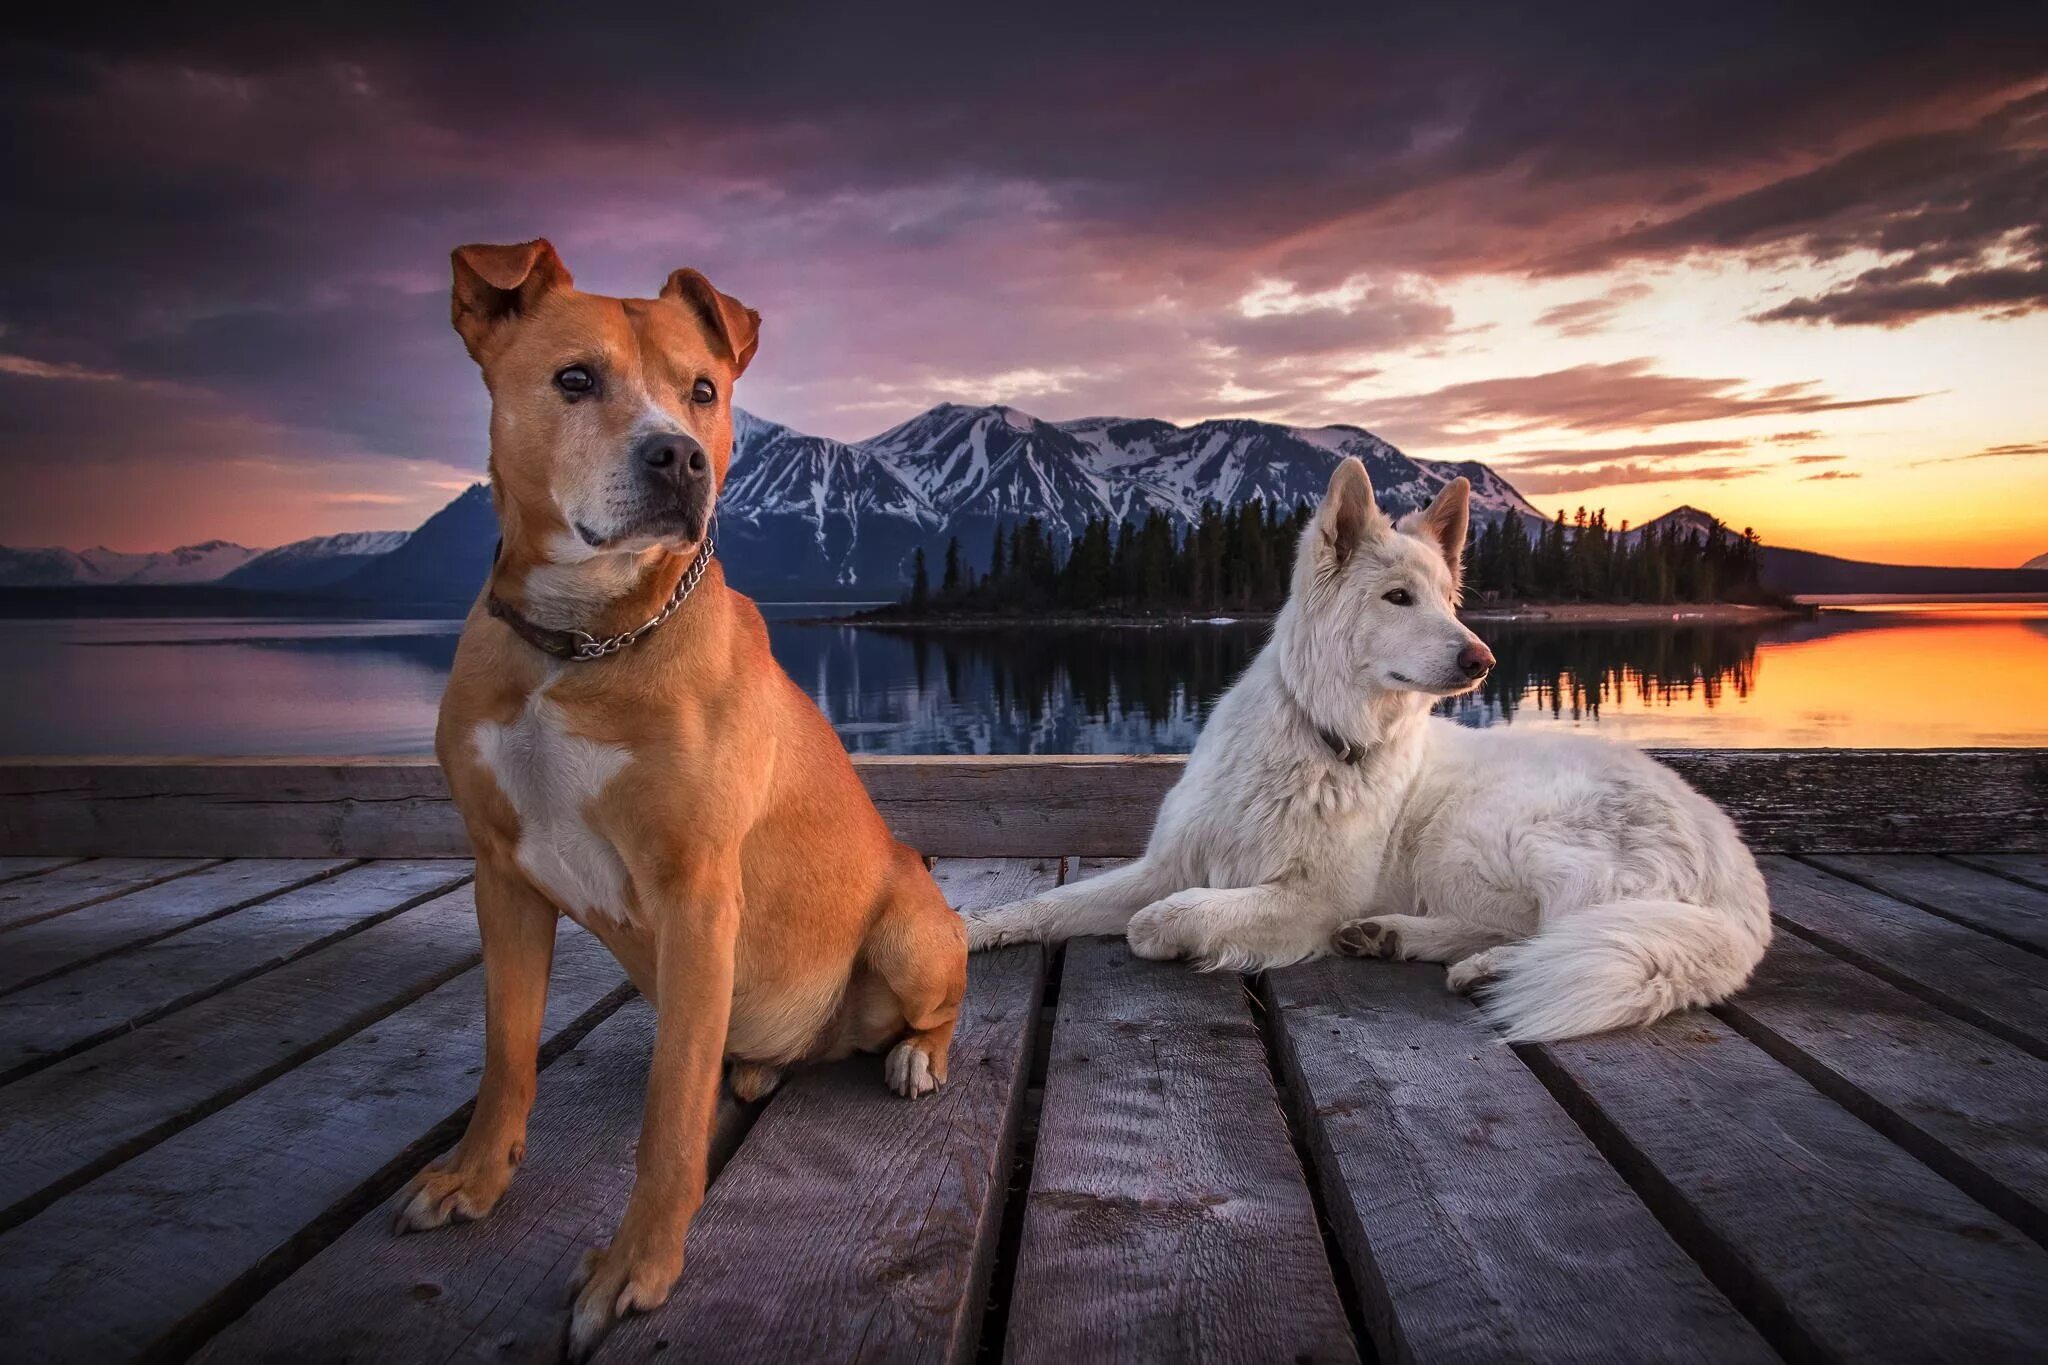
1475	660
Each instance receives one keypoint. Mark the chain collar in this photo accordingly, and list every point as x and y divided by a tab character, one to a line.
576	646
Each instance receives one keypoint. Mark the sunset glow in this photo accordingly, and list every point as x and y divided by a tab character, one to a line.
1788	273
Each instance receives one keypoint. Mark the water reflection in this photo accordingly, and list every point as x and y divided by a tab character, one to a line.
1913	677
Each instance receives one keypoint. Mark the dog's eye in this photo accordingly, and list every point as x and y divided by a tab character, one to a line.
575	381
703	392
1399	597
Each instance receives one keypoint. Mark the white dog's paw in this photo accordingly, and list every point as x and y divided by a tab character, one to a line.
1367	938
999	927
908	1070
1163	930
1468	974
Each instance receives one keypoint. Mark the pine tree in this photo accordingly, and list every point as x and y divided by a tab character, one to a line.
949	586
920	585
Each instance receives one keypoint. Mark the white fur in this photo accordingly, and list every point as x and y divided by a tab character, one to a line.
551	776
1581	885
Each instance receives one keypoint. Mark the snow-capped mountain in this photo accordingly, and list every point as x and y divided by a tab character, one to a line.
314	562
806	516
101	567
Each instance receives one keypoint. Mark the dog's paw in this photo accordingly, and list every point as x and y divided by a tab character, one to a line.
1367	938
610	1283
1468	974
909	1071
1161	931
999	926
752	1081
454	1189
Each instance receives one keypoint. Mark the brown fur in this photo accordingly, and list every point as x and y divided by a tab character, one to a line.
770	916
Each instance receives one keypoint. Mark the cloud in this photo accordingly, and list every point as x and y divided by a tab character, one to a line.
1620	395
1609	475
1832	474
1584	317
1817	459
2015	450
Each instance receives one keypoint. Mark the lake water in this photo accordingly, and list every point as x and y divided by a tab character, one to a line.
1915	675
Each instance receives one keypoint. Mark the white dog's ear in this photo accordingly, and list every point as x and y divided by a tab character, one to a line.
494	284
1348	516
1445	522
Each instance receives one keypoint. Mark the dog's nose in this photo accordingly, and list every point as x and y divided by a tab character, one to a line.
1475	660
673	455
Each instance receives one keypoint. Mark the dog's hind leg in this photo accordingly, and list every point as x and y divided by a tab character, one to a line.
1418	938
1098	905
917	946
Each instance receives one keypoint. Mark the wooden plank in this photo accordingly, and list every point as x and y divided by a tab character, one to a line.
1805	800
42	1024
80	884
50	946
1168	1216
14	869
158	1253
855	1225
491	1291
1999	988
2028	868
1477	1221
68	1122
1973	1108
2002	908
1835	1242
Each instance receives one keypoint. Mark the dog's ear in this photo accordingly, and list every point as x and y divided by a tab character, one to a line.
731	321
494	284
1348	515
1445	522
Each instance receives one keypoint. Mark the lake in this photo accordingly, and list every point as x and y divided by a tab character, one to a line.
1904	675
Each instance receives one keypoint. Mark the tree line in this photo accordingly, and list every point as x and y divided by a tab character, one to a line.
1241	559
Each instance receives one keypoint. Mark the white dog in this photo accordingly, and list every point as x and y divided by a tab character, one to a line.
1585	885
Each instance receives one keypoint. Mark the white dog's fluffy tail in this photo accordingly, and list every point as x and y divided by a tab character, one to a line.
1622	964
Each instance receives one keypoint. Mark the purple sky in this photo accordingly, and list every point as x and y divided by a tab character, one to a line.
1602	246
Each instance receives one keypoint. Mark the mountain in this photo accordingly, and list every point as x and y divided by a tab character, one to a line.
1799	572
1688	521
2037	562
101	567
315	562
444	561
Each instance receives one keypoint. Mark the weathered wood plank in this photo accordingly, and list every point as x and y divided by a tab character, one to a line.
49	946
1997	987
68	1122
160	1252
489	1292
1168	1217
14	869
1835	1242
854	1225
1477	1221
80	884
2030	868
43	1023
1970	1106
2000	907
1804	800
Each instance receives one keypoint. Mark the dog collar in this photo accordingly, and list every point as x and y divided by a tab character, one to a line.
577	646
1344	749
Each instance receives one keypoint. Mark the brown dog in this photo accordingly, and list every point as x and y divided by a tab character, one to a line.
668	788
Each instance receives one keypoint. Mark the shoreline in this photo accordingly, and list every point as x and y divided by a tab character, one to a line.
1532	613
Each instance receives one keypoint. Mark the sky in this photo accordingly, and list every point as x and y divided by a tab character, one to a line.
1785	264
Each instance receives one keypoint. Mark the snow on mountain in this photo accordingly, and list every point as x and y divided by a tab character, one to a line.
101	567
314	562
1687	520
2037	562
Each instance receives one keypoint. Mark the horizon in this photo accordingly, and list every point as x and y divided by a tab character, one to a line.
1750	262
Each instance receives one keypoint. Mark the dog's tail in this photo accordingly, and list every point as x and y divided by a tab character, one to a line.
1624	963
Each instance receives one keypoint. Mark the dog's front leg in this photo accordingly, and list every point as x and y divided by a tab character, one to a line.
518	928
698	912
1239	928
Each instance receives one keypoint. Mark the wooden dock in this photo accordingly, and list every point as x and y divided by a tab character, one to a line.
240	1005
